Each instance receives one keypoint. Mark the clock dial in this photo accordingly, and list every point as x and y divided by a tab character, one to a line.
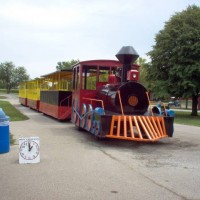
29	150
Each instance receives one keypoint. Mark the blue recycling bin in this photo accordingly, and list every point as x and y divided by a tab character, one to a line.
4	133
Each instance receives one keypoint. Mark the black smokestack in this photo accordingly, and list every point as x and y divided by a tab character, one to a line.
126	55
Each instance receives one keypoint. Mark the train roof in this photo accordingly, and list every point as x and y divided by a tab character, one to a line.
62	72
102	63
98	62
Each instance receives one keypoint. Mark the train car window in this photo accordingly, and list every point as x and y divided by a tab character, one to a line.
76	78
103	74
91	81
89	77
74	70
65	82
84	79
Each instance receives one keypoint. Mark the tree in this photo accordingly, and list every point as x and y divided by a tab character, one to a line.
175	68
20	75
66	65
11	76
142	62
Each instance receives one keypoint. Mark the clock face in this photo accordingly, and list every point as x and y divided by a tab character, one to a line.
29	150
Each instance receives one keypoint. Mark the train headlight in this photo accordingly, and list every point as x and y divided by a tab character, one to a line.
132	100
134	76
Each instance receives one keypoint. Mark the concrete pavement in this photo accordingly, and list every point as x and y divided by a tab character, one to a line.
75	166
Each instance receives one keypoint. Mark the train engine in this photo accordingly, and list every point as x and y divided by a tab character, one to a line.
129	98
109	102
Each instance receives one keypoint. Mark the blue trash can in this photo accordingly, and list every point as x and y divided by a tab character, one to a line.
4	133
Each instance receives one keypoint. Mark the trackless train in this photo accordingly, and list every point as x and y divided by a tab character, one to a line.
103	97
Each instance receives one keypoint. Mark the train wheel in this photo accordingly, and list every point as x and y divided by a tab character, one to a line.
75	110
89	117
83	117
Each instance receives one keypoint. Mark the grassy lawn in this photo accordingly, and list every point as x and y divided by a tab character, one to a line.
184	117
12	112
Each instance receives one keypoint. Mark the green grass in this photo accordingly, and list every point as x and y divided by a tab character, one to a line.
182	117
12	112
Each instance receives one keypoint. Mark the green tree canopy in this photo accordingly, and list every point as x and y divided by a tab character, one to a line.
142	62
11	75
175	68
66	65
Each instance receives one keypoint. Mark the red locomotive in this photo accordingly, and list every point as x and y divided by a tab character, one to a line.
108	101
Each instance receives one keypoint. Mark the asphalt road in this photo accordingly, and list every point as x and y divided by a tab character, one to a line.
76	166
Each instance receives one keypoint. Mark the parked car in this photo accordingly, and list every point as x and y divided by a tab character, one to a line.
175	103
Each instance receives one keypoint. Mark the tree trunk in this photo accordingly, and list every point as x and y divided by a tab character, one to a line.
194	105
186	103
8	89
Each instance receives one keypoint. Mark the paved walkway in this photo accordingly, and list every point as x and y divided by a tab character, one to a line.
75	166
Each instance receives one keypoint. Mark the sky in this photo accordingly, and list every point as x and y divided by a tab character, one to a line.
37	34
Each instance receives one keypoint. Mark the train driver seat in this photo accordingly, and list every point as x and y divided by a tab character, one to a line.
112	79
